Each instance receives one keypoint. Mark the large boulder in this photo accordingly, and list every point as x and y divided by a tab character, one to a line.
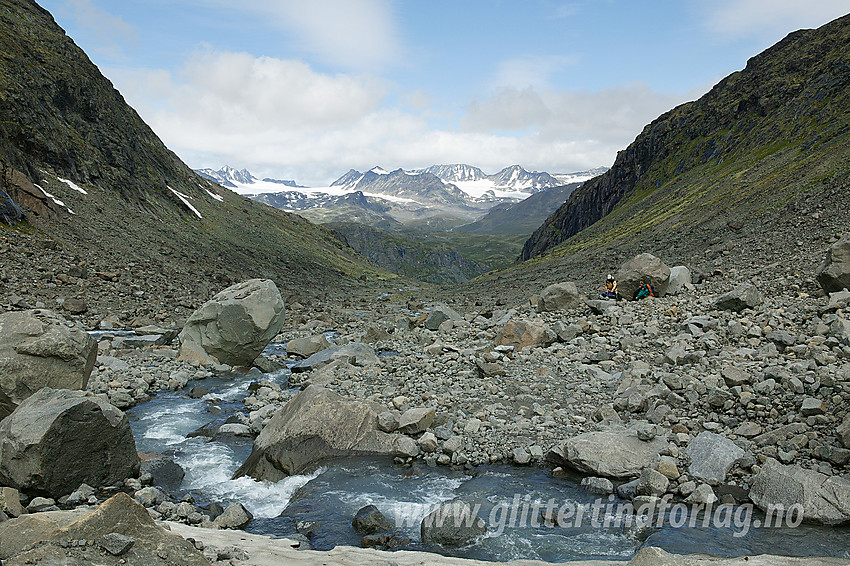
234	326
524	333
123	532
643	267
834	273
680	278
58	439
559	296
439	314
354	353
712	456
315	425
610	454
743	297
37	349
823	498
452	524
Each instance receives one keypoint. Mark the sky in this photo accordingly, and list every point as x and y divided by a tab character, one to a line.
308	89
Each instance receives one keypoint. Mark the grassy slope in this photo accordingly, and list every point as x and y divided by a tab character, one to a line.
60	117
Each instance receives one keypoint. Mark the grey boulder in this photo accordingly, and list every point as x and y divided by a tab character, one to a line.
834	273
354	353
315	425
439	314
234	326
234	517
823	498
712	456
452	524
643	267
37	349
680	278
306	347
559	296
743	297
610	454
58	439
525	333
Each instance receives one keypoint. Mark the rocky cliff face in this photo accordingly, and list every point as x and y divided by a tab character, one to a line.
789	104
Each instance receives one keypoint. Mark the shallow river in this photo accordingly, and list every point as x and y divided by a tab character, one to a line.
333	494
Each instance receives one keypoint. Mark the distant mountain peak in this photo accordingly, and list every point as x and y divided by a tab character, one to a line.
231	177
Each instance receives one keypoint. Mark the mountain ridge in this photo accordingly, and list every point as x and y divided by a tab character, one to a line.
777	107
100	188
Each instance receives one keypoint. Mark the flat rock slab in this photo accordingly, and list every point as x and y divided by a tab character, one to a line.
355	353
619	455
823	498
267	551
120	515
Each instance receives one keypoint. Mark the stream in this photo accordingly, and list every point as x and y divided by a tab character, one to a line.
332	495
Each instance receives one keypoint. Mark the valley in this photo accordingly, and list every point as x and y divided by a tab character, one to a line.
445	224
416	366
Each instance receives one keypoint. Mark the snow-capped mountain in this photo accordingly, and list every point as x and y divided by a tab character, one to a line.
579	176
235	179
457	193
511	182
422	187
456	172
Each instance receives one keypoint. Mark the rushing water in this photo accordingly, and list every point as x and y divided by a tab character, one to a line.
332	495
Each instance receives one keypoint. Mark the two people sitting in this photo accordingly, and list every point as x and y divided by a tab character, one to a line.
644	290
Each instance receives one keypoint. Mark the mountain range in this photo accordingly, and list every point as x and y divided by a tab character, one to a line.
440	196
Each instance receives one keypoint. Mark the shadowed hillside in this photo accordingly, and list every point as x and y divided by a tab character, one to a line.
94	179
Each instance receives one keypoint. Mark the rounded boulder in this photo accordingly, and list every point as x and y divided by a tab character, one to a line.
58	439
234	326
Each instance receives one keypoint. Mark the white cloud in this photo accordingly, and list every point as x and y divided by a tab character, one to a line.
608	118
282	118
770	19
529	71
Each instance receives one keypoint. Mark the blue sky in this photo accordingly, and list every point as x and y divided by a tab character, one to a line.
307	89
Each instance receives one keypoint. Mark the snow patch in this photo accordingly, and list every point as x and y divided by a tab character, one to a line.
219	198
73	185
54	199
185	200
379	171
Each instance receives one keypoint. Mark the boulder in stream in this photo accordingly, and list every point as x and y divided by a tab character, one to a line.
234	326
58	439
315	425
